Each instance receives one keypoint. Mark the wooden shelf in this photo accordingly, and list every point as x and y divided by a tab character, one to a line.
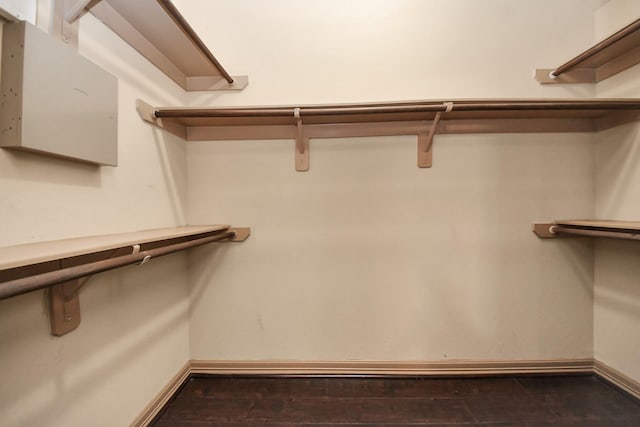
39	252
607	58
60	264
627	230
422	118
156	29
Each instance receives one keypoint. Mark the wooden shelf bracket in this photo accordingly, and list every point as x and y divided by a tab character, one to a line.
425	141
64	298
64	307
63	274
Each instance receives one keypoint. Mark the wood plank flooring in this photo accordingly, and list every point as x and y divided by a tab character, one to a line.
529	401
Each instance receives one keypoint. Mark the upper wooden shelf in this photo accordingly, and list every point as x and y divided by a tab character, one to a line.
627	230
157	30
607	58
421	118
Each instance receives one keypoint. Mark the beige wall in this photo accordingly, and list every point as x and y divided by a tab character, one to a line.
617	291
387	50
134	332
363	257
366	256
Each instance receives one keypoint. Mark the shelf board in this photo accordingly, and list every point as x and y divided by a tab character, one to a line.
60	265
605	59
627	230
421	118
157	30
41	252
602	224
466	116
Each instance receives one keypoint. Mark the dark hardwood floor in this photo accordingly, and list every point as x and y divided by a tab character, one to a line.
582	400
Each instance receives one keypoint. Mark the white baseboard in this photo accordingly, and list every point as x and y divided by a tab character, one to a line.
384	368
154	407
617	378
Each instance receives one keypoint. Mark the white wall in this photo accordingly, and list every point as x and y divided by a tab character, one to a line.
617	291
366	256
134	332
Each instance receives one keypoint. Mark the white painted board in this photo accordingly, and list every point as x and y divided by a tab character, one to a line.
19	10
55	101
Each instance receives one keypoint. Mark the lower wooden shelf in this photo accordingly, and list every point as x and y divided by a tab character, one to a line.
627	230
59	265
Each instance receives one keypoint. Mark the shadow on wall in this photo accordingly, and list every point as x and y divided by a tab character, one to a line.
126	313
618	173
122	61
579	255
618	271
17	165
201	272
166	147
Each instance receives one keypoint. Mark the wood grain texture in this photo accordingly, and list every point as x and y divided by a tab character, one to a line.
611	56
163	397
402	368
601	224
159	32
32	253
522	401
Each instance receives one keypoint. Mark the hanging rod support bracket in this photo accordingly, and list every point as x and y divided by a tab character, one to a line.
425	156
425	140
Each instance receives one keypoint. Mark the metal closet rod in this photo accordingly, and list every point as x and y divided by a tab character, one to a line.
604	44
32	283
396	108
182	23
588	232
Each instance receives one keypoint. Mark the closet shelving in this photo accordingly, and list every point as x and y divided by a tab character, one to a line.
59	265
605	59
626	230
421	118
157	30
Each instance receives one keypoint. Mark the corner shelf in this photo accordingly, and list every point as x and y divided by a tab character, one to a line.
421	118
607	58
157	30
60	264
626	230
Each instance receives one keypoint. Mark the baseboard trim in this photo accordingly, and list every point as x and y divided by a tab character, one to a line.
617	378
384	368
388	368
156	405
